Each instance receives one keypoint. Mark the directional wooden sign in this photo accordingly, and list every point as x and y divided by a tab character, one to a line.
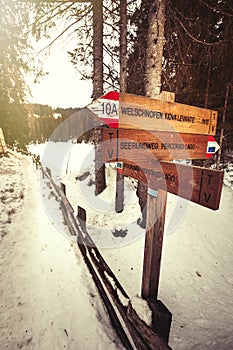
148	132
200	185
153	114
141	145
128	111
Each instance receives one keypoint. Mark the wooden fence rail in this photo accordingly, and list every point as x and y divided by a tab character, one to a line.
133	332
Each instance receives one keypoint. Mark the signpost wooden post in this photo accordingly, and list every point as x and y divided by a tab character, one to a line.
155	222
156	210
143	135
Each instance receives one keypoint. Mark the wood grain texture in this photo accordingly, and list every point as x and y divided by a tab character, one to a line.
154	342
138	145
199	185
139	112
156	208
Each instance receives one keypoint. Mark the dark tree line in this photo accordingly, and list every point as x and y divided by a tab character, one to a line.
13	44
43	120
197	59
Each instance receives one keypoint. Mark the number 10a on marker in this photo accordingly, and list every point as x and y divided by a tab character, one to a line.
110	109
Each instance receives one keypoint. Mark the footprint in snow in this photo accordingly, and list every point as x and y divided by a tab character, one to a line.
229	280
202	322
120	233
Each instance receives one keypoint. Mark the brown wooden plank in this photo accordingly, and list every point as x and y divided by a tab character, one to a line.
143	337
119	199
153	341
156	208
199	185
138	145
161	319
155	221
139	112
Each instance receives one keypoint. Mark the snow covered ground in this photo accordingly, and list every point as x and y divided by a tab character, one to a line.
11	192
48	300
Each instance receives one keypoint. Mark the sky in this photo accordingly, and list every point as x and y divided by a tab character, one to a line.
62	86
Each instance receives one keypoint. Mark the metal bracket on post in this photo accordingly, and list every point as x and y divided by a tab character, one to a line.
152	192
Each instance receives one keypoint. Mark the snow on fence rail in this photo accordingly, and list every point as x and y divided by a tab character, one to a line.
133	332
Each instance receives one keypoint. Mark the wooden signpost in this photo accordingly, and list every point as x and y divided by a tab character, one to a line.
146	113
143	145
199	185
142	136
138	112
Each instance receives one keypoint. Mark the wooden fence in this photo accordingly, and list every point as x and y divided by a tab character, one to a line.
132	331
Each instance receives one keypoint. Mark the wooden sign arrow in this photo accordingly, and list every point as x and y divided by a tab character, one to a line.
199	185
138	112
144	146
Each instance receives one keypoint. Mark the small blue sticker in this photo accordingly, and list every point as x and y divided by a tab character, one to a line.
211	149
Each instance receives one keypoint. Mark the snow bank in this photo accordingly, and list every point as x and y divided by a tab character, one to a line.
48	298
228	175
196	271
12	190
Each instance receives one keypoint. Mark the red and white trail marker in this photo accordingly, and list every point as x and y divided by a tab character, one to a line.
212	147
107	108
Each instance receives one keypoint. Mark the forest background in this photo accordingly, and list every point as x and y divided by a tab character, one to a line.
197	56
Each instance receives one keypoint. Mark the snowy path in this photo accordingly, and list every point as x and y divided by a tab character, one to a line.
47	299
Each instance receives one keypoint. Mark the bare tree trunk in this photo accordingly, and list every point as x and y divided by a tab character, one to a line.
123	45
155	38
207	88
100	181
97	48
119	206
222	129
155	41
156	206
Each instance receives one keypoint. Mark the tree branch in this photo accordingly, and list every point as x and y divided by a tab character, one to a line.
64	31
47	14
215	9
56	38
200	41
